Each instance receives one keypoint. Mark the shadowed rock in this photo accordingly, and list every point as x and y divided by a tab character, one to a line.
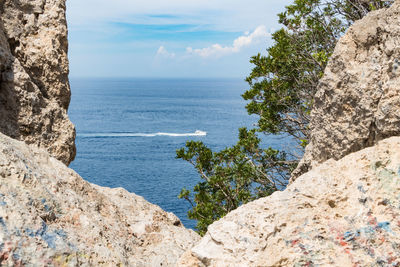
34	87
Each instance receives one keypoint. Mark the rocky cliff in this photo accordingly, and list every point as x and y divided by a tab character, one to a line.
345	211
358	99
50	216
341	213
34	88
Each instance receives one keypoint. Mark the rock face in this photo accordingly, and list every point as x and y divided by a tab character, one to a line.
50	216
34	88
358	100
345	211
341	213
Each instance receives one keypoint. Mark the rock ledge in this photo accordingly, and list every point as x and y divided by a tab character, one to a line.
342	213
50	216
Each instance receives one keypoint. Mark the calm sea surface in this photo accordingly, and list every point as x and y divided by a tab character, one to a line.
129	129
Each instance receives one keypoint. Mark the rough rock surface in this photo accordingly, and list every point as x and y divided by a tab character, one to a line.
34	87
50	216
358	99
341	213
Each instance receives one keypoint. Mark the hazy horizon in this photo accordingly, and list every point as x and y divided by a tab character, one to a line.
161	78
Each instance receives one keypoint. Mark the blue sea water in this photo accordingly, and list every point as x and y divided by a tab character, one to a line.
129	129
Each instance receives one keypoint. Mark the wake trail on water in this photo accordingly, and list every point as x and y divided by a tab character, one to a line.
99	135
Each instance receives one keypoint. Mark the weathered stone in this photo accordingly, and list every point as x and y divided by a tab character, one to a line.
50	216
341	213
358	99
34	87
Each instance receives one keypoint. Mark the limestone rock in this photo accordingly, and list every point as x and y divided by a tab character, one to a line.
358	99
34	87
50	216
341	213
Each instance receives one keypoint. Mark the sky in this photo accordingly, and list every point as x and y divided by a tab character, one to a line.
169	39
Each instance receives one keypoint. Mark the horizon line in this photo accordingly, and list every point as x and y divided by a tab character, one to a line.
154	77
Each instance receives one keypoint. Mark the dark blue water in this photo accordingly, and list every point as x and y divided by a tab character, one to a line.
113	116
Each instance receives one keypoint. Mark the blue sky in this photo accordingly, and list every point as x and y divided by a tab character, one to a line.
174	38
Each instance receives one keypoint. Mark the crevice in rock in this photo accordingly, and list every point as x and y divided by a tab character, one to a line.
371	139
13	43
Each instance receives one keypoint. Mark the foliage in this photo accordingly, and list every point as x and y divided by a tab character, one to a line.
233	176
282	87
283	82
352	10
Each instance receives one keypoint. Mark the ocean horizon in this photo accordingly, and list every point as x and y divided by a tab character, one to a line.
128	130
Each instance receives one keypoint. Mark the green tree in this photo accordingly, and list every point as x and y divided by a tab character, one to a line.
283	82
233	176
282	87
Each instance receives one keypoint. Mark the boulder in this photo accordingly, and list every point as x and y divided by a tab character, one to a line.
345	208
358	99
50	216
341	213
34	87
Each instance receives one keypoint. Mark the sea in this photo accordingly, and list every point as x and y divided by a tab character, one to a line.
128	131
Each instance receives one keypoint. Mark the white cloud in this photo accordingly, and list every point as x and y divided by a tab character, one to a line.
162	52
217	50
229	15
99	31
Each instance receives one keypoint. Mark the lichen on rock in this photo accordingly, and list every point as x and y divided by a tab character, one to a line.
50	216
341	213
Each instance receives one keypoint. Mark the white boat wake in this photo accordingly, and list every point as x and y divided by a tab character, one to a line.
94	135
